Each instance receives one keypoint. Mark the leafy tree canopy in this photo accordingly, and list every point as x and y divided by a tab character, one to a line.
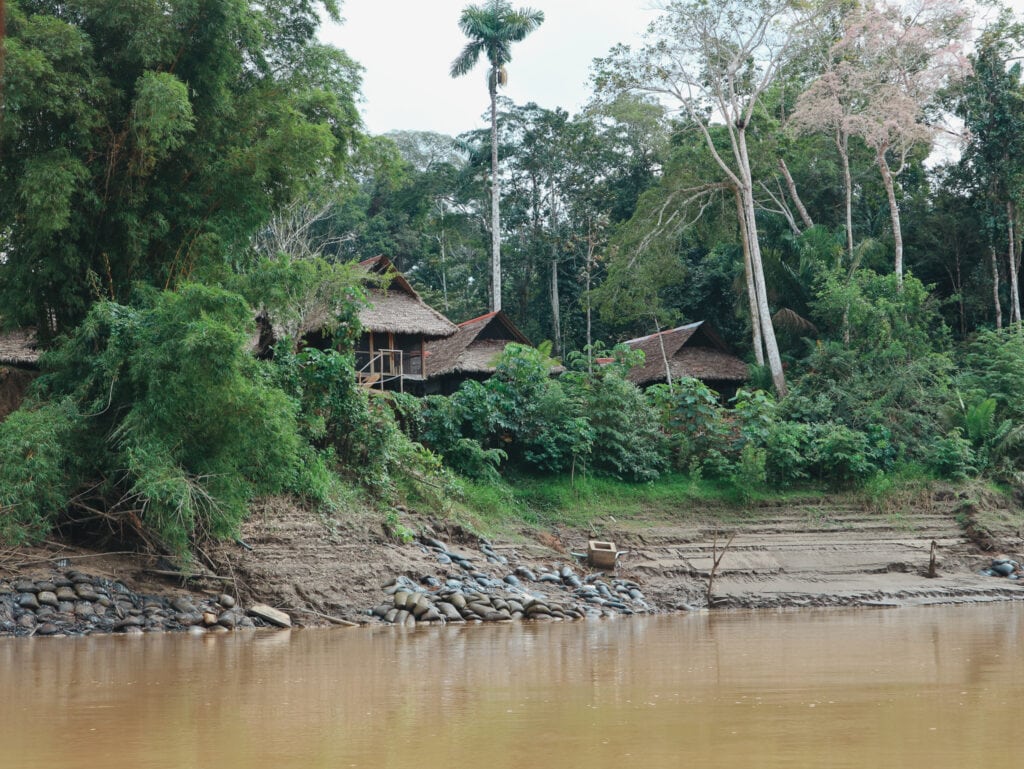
145	141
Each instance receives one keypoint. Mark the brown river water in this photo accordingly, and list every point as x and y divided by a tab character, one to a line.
928	688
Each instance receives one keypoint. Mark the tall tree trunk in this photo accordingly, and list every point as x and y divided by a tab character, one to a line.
843	143
3	51
755	319
664	353
894	212
556	320
757	267
443	242
495	197
1011	215
791	186
995	286
591	247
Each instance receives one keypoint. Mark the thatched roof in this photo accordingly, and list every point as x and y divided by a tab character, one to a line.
18	348
474	347
694	350
398	308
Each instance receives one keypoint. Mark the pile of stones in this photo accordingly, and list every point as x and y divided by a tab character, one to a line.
466	592
72	603
1003	566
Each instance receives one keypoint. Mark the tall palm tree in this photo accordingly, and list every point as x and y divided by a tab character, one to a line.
492	27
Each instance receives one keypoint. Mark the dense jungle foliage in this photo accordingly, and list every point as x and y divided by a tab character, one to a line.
171	173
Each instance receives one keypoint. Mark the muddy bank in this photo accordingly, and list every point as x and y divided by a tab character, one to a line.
825	552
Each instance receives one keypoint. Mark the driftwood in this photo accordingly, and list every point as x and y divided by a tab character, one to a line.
328	617
185	576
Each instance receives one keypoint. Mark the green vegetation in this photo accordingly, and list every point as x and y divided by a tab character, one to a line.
183	183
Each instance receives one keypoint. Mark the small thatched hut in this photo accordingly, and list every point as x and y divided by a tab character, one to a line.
397	326
19	360
471	352
694	350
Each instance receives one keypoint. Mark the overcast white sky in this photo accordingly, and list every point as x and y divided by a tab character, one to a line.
407	47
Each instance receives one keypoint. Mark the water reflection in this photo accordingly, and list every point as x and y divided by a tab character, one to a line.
936	687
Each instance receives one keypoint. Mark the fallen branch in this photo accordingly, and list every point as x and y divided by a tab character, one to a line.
57	557
328	617
185	577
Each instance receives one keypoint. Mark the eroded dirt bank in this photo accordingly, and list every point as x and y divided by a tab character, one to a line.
826	552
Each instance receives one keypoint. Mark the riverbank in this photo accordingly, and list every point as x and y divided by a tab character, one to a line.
816	552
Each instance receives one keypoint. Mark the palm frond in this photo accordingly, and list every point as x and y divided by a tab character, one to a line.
467	59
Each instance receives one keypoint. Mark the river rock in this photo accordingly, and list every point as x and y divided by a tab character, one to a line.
47	628
430	615
127	623
182	605
448	611
271	615
1003	569
225	600
65	593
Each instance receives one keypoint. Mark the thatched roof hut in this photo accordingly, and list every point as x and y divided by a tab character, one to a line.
694	350
18	348
398	309
475	347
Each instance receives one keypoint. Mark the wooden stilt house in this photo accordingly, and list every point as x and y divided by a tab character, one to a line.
397	328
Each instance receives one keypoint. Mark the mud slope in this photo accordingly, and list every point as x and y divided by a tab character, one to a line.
824	554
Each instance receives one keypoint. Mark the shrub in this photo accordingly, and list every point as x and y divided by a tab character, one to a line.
176	426
440	426
786	453
951	457
627	442
691	416
840	456
36	461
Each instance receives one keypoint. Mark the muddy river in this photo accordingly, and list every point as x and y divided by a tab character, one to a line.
935	688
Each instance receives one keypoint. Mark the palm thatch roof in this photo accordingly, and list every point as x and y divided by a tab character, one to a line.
475	346
398	308
694	350
18	348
